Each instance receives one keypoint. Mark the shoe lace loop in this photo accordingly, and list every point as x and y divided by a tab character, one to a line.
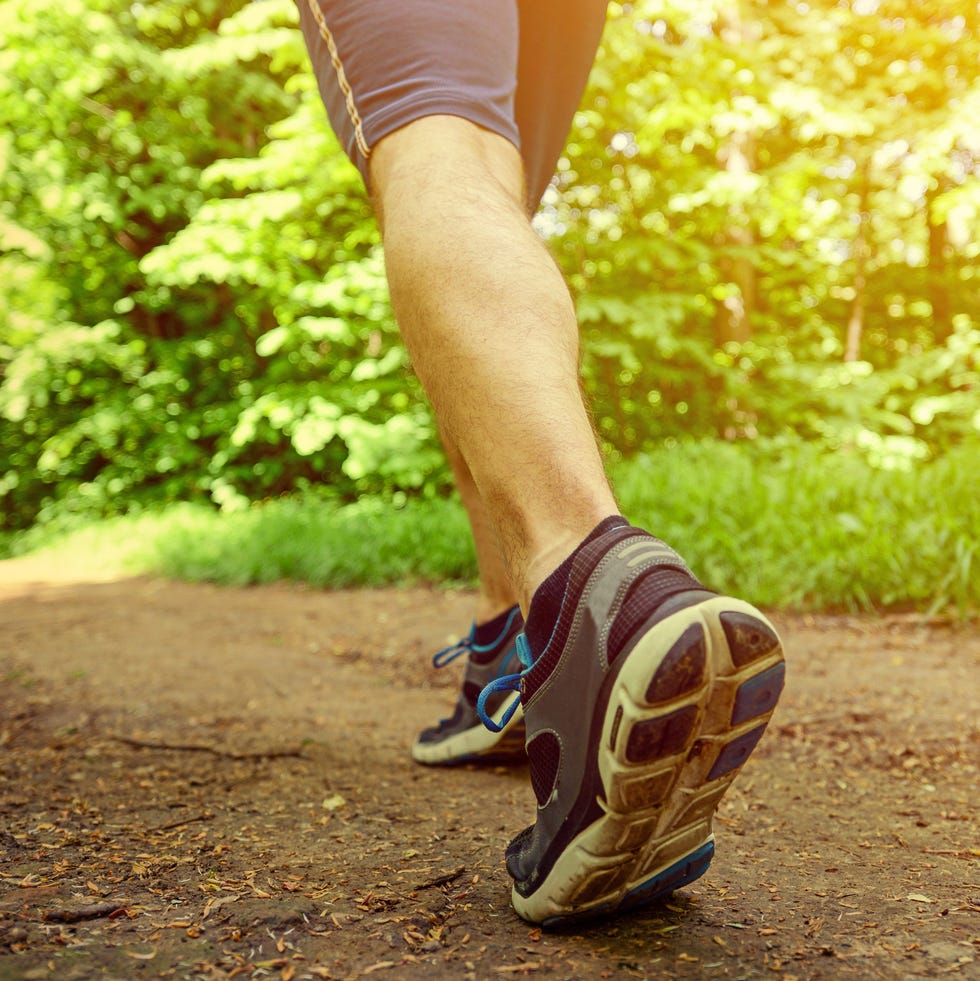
449	654
505	683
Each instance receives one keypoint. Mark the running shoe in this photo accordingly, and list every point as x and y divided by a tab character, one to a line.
463	738
642	700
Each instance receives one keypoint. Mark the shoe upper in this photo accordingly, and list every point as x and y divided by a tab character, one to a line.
616	585
485	663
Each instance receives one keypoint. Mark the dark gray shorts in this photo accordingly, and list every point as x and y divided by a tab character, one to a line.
515	67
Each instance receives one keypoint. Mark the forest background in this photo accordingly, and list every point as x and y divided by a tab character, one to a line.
769	216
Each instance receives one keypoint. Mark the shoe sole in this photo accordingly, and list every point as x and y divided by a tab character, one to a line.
477	744
687	707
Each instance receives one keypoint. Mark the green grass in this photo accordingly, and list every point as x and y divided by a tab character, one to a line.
365	544
800	527
369	543
793	527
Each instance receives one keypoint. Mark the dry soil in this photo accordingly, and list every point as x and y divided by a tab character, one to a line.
204	782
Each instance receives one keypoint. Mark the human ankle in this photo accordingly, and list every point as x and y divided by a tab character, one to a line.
489	608
558	551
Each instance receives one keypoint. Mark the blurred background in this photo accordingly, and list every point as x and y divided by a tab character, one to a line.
769	215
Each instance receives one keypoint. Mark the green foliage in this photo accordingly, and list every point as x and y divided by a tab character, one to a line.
51	372
767	213
214	320
368	543
768	176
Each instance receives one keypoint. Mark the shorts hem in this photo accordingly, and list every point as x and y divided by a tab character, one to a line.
395	117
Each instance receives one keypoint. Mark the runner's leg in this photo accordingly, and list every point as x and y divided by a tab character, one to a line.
498	352
496	591
436	140
644	693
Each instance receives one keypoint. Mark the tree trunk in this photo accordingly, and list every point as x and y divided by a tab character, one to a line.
855	322
942	319
733	314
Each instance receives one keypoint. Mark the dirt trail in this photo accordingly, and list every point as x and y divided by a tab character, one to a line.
198	782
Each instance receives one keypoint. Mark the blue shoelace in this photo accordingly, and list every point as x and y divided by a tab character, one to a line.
505	683
468	645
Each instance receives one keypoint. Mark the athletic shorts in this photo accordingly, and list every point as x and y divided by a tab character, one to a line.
514	67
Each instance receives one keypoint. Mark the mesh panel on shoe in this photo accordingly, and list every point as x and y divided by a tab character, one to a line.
587	558
544	755
641	602
488	657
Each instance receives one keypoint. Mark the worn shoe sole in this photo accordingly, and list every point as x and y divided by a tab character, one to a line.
671	730
477	744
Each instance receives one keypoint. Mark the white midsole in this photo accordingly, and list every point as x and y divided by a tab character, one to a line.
478	741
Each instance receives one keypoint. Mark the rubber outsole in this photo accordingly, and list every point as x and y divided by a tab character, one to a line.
686	708
477	744
658	886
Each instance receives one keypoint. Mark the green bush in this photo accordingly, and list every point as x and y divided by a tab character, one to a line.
192	298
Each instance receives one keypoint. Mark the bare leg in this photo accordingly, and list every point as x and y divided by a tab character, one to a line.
491	329
496	589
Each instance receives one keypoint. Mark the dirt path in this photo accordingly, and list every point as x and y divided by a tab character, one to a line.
211	783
